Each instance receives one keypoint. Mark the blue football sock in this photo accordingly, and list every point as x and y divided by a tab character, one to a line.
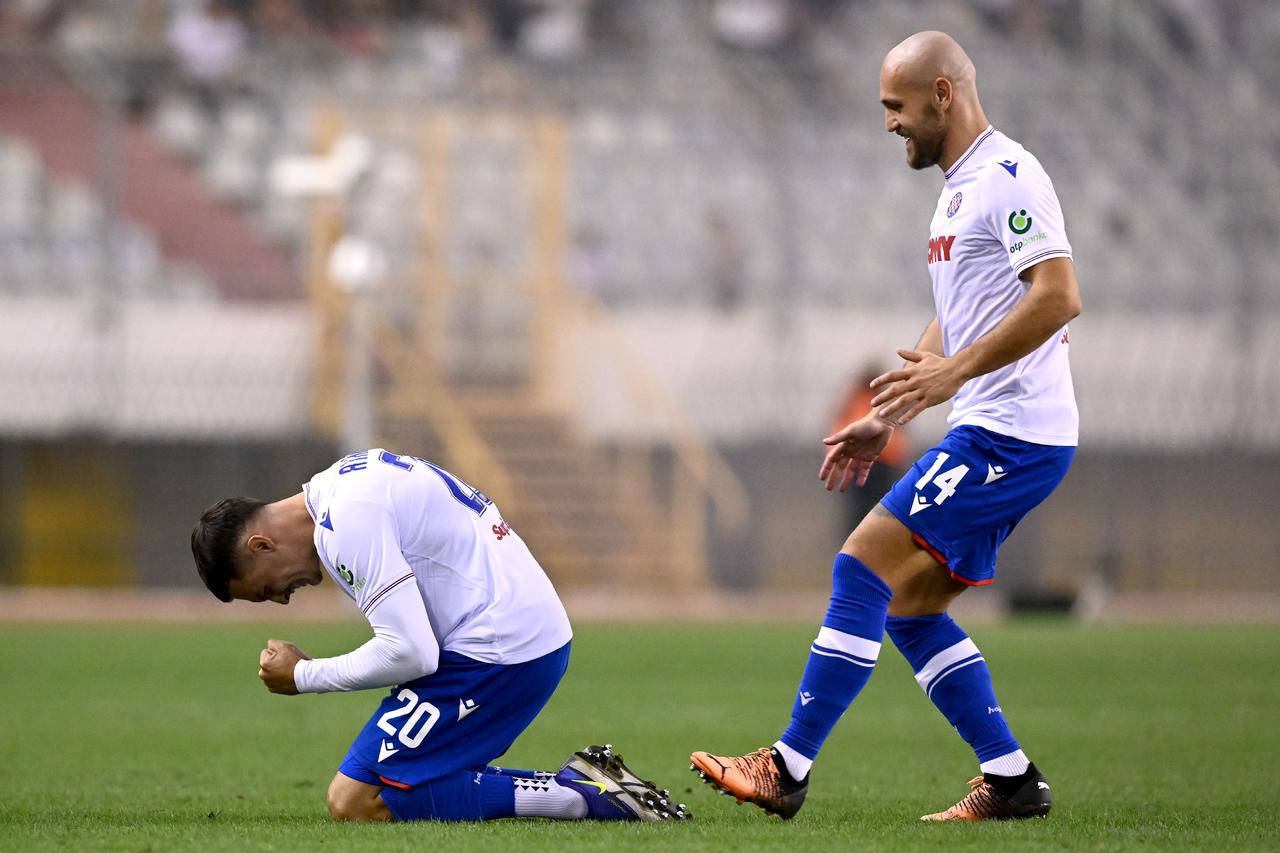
955	677
458	796
842	657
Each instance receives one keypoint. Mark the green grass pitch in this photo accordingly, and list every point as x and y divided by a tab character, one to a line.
160	737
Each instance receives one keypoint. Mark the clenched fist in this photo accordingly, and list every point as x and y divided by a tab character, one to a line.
276	663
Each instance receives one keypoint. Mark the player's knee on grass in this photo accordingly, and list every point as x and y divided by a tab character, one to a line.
350	799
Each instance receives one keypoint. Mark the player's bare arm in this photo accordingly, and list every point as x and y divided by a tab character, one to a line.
931	338
1052	300
276	664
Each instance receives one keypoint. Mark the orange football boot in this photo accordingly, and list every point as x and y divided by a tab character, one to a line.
758	777
986	802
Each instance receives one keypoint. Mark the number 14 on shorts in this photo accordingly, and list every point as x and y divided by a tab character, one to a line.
947	482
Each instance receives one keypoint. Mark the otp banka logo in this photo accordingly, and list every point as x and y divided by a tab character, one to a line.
940	248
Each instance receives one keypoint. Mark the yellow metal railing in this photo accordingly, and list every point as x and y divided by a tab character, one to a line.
701	475
417	388
418	391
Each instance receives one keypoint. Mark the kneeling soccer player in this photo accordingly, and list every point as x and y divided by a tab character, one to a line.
466	625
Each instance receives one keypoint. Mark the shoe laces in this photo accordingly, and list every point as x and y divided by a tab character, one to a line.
983	799
758	766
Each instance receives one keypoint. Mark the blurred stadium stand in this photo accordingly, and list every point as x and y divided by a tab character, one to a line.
613	260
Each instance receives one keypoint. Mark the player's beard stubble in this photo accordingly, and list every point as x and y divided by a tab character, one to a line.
925	148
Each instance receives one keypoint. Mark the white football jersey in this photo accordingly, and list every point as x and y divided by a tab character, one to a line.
385	521
998	216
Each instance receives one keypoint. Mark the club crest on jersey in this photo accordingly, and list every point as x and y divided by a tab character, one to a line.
954	205
940	248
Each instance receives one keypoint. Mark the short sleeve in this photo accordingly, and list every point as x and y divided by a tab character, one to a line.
365	550
1021	209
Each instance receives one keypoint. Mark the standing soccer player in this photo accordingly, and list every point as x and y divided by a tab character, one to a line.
465	623
1005	288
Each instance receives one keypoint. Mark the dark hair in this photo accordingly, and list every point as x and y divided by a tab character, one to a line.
214	541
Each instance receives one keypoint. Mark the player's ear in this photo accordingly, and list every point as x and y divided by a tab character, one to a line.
942	92
259	544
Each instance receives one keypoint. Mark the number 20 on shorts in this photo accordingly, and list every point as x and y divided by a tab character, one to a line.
406	735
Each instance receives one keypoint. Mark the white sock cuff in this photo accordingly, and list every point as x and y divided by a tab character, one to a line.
548	798
1009	764
797	765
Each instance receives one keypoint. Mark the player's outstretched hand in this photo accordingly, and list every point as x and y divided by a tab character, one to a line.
854	450
276	663
926	380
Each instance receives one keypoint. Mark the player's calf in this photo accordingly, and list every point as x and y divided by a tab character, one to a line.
593	784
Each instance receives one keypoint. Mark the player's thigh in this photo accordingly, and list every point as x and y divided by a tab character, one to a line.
461	717
884	545
351	799
925	592
920	584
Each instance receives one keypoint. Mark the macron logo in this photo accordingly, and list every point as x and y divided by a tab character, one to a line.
465	707
918	503
385	751
805	698
994	472
1010	167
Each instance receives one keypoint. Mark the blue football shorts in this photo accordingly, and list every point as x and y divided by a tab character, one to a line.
962	498
460	717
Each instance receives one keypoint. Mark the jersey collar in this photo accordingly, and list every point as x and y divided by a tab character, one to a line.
306	499
982	137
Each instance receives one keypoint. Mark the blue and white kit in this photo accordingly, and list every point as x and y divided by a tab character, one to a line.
1014	430
1013	436
466	624
460	717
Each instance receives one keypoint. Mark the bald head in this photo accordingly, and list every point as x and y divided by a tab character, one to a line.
924	57
929	90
